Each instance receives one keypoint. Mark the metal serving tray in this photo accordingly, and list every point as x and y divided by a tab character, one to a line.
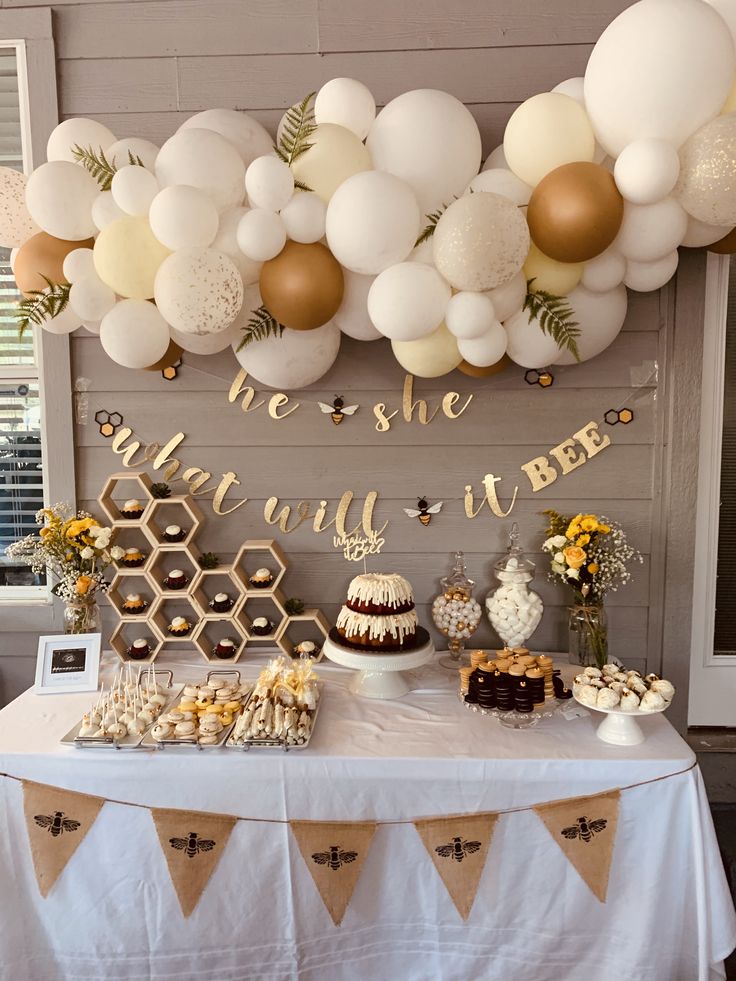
275	742
192	741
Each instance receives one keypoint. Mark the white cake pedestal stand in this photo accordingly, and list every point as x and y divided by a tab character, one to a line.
379	675
618	727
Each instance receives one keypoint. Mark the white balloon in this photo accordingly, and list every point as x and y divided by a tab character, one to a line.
134	334
496	159
700	233
705	187
348	103
502	182
198	291
243	132
294	360
527	345
120	152
647	276
509	298
105	211
572	87
487	349
469	316
372	222
92	326
59	198
269	183
13	254
210	343
261	234
83	133
352	316
304	217
407	301
600	316
90	298
647	170
182	217
727	10
77	264
66	322
662	68
133	188
650	231
226	241
430	140
424	252
605	272
205	160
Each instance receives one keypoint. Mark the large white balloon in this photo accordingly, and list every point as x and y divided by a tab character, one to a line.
373	222
261	234
269	183
134	334
572	87
133	188
604	272
204	159
243	132
304	217
90	298
296	359
77	264
470	315
600	317
352	316
66	322
226	241
198	291
487	349
121	151
647	170
211	343
105	211
87	134
496	159
182	217
430	140
650	231
59	198
647	276
503	182
661	69
348	103
545	132
527	344
509	298
700	233
407	301
429	357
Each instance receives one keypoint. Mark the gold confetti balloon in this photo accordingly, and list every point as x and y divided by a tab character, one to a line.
706	188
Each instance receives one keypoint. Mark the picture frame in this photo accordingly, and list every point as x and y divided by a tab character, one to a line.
67	663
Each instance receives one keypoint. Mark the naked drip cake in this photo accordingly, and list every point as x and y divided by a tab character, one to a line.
379	614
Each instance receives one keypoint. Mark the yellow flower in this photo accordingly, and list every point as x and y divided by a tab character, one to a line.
593	568
83	584
573	529
574	556
69	556
589	523
76	527
583	540
45	532
604	529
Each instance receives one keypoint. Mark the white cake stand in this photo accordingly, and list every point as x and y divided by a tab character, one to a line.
379	675
618	727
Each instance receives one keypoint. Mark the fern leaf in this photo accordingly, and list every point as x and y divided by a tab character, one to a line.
41	305
297	128
554	316
260	326
429	228
301	186
134	160
97	164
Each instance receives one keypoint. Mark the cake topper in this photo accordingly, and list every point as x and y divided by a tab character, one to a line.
338	410
423	511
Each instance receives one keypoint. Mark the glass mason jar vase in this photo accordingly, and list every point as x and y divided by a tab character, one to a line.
587	628
82	617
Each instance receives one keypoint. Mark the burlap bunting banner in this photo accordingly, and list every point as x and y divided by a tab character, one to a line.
192	843
57	822
585	830
458	846
334	853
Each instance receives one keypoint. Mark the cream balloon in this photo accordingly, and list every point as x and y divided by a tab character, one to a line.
509	298
647	276
352	316
120	153
408	301
548	274
127	256
372	222
700	233
241	131
646	170
134	334
705	188
226	241
605	272
261	235
661	69
469	316
133	189
496	159
77	264
487	349
64	323
502	182
105	211
600	317
346	102
544	133
59	198
294	360
183	217
205	160
335	155
650	231
86	134
16	225
527	345
572	87
304	217
269	183
430	357
430	140
90	298
198	291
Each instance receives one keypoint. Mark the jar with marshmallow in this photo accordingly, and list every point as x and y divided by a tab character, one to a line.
513	609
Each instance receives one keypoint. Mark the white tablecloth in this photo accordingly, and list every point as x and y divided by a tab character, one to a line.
113	914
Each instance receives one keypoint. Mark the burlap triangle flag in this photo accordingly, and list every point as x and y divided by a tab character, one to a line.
458	845
585	830
334	853
192	843
57	821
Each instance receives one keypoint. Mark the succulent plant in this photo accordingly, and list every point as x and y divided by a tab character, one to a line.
208	560
294	606
160	491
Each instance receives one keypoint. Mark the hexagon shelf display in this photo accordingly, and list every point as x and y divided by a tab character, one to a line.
309	625
121	487
264	603
214	581
127	581
127	537
210	632
127	631
179	510
168	606
255	555
167	559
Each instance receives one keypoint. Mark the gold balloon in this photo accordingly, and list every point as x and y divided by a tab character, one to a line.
43	255
303	286
492	369
173	353
575	212
725	245
548	274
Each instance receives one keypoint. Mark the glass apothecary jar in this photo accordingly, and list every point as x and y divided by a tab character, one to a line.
514	609
455	613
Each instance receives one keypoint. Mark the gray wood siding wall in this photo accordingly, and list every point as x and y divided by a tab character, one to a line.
142	67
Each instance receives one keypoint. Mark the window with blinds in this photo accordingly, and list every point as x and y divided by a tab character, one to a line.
725	624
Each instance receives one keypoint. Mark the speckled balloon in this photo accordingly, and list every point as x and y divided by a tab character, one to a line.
199	291
16	225
706	188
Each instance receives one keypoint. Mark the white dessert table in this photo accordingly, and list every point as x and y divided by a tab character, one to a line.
113	914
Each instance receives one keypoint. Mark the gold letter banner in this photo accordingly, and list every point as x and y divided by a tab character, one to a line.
192	843
334	853
458	846
585	830
57	821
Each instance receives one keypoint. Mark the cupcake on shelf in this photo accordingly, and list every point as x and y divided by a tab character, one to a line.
225	648
132	509
261	579
261	627
222	603
133	558
176	579
139	649
133	603
179	627
306	648
174	533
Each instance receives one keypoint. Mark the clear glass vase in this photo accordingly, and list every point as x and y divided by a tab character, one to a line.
82	617
587	629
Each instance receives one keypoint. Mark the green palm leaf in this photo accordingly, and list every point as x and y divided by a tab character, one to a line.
41	305
97	164
297	129
260	326
554	316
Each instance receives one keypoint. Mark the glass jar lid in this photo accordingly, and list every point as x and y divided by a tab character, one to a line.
514	566
457	581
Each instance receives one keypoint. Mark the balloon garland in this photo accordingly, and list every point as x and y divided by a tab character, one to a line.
384	224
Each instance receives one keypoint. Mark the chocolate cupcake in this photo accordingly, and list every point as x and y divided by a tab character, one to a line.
261	579
179	627
133	558
132	509
306	649
261	627
222	603
139	649
173	533
225	648
133	603
176	579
